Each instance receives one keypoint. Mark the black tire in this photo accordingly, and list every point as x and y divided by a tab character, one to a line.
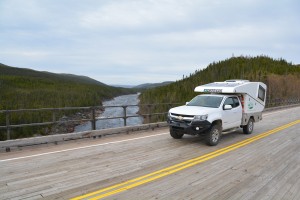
248	129
176	134
213	136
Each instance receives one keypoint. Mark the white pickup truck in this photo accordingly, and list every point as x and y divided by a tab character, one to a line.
229	105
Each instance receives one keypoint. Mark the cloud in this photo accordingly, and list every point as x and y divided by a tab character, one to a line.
135	14
143	41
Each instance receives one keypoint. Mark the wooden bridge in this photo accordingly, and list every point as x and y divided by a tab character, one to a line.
152	165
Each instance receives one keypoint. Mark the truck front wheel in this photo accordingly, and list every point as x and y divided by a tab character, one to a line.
248	129
176	134
213	136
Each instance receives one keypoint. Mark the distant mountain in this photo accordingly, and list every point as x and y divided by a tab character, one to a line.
144	86
124	86
27	88
153	85
82	79
15	71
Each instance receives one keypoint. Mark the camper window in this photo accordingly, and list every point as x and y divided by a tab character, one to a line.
261	93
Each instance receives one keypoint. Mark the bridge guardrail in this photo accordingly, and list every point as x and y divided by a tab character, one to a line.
92	111
281	102
93	118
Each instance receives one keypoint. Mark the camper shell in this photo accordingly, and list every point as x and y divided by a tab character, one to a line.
251	94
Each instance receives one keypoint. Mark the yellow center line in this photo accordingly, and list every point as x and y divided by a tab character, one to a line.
108	191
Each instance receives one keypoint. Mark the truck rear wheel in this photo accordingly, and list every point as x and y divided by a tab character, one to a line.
248	129
176	134
213	136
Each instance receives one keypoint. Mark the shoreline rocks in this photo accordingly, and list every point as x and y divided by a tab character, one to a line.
67	124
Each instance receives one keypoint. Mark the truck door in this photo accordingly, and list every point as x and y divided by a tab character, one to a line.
232	118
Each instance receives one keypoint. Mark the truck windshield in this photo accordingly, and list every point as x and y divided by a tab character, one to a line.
206	101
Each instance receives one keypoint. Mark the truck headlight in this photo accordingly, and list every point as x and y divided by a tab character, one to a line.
200	117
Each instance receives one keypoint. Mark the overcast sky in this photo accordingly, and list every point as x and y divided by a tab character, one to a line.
144	41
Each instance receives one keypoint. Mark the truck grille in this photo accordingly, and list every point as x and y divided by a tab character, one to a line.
189	116
182	118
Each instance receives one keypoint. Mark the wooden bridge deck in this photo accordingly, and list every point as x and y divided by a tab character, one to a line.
266	168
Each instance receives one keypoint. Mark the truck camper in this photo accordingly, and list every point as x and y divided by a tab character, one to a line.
223	106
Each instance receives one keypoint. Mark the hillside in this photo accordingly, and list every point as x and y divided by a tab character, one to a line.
26	88
281	77
152	85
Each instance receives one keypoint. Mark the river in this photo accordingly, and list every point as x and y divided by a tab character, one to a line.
132	99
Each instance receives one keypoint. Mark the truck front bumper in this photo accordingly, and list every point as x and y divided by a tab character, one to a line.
191	128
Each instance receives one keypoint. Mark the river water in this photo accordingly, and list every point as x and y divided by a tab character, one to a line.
132	99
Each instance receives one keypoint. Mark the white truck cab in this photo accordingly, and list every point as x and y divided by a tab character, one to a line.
226	105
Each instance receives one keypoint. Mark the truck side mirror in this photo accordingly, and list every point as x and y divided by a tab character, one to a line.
186	103
227	107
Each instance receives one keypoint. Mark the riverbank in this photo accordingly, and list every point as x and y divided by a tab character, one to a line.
102	123
68	123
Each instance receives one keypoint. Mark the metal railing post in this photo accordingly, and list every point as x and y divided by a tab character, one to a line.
7	125
149	113
125	115
93	119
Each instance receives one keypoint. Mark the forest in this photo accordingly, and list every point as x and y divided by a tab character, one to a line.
26	88
29	89
281	77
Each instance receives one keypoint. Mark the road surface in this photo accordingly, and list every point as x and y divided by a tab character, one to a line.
152	165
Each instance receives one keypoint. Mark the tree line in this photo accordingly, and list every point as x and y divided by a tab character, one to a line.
281	77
